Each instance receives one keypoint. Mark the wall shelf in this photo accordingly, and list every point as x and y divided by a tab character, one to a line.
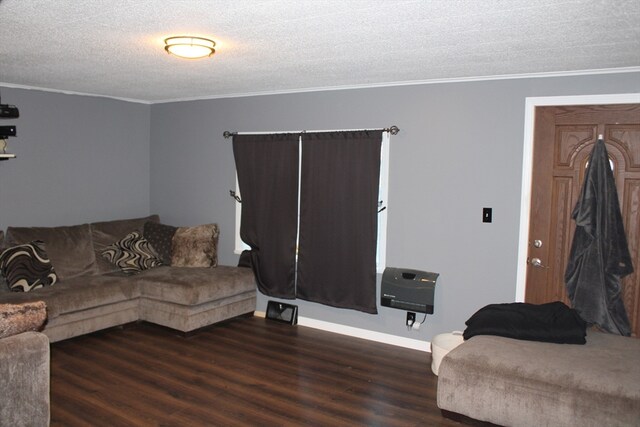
7	156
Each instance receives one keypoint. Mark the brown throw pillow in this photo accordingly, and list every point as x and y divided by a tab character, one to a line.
18	318
160	237
195	246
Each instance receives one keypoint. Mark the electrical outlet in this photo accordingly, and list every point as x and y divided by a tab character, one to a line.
411	318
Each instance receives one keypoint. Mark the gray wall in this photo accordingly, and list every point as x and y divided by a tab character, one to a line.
459	150
80	159
86	158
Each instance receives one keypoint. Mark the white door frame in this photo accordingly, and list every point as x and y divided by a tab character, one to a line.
527	164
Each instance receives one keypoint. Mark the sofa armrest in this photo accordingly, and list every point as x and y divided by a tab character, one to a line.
24	380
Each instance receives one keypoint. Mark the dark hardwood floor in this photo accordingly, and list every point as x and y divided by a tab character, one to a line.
248	371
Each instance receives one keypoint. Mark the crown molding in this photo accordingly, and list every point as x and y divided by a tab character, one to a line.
71	92
345	87
411	83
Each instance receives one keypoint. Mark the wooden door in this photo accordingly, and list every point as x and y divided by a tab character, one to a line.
563	140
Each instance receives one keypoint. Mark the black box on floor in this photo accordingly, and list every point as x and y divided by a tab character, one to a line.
281	312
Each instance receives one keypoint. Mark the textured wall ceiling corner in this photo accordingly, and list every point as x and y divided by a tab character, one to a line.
114	47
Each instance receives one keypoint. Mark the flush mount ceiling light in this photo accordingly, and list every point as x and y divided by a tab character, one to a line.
189	47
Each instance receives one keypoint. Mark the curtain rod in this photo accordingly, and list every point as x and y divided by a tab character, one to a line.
393	130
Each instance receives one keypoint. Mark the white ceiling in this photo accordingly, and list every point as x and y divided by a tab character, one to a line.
115	47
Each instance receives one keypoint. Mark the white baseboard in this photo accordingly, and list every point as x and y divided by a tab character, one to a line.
361	333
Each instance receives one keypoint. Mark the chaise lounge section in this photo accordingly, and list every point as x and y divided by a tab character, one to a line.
514	382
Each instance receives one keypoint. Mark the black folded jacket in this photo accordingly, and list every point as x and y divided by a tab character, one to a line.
552	322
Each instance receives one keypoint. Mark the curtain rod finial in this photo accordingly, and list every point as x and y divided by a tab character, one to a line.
393	130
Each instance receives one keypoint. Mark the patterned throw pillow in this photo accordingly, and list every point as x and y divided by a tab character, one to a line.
195	246
132	254
27	267
159	237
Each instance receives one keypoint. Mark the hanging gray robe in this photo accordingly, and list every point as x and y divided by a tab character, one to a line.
599	253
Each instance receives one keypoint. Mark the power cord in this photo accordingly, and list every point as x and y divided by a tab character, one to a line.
416	325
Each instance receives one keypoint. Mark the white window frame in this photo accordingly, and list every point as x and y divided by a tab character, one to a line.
383	195
239	244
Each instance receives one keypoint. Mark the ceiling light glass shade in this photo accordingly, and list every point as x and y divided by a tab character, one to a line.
189	47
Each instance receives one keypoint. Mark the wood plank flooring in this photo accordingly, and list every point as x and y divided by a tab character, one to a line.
245	372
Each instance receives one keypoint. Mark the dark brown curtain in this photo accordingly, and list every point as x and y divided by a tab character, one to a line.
339	219
267	167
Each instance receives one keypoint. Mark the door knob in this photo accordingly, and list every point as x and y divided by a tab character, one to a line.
536	262
537	243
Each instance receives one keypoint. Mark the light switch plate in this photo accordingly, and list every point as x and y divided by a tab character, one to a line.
487	214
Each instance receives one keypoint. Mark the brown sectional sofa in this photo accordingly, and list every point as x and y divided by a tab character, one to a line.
92	294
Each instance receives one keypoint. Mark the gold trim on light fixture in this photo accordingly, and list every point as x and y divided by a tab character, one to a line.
189	47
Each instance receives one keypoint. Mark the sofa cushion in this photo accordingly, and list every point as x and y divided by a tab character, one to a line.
195	246
79	293
192	286
26	267
160	237
106	233
18	318
69	248
132	254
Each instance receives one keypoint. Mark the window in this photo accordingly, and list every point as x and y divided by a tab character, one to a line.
382	216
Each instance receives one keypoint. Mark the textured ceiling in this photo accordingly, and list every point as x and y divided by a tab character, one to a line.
115	47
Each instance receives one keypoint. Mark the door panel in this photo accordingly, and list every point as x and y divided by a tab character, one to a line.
560	246
628	139
563	140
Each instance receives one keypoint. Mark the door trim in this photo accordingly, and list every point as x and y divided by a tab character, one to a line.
527	164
